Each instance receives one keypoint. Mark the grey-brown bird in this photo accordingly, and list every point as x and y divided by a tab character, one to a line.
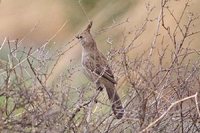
98	71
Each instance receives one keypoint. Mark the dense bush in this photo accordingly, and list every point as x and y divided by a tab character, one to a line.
159	87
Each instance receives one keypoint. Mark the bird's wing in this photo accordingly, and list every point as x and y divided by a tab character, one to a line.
105	72
99	66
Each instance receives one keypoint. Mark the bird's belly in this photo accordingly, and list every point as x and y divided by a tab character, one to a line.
88	74
89	66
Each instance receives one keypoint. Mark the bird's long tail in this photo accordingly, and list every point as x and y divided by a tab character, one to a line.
114	98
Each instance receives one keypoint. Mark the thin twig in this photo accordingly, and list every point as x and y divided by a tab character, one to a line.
167	111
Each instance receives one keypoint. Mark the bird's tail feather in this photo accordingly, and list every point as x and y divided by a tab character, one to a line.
114	98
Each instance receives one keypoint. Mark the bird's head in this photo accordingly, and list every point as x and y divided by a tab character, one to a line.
85	36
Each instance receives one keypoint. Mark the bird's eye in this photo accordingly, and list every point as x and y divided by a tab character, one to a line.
80	36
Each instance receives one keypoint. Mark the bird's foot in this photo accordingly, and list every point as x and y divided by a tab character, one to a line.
99	88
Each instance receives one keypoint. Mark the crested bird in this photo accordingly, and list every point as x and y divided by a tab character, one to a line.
96	68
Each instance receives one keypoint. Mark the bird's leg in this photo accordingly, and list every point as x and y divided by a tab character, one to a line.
99	88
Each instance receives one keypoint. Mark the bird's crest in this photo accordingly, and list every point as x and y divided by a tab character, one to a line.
89	26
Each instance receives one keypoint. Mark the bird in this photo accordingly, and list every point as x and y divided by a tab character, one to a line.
96	68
